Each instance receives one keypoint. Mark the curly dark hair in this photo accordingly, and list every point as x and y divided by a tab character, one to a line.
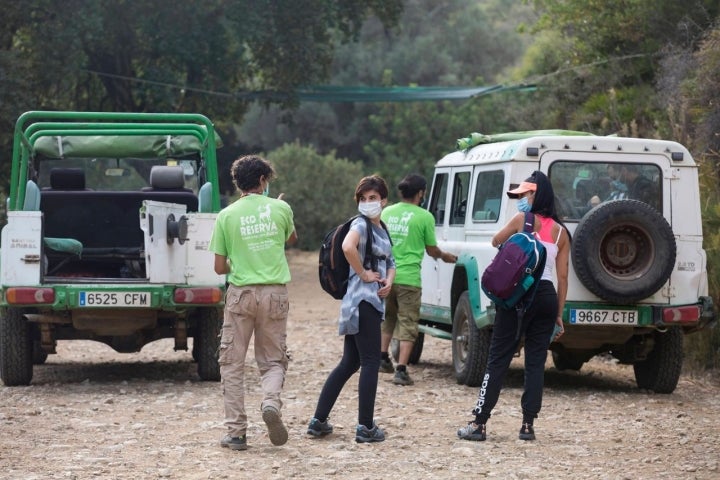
371	182
247	170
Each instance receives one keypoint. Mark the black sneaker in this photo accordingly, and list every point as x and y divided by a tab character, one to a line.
318	428
234	443
276	430
402	378
472	432
527	432
386	366
368	435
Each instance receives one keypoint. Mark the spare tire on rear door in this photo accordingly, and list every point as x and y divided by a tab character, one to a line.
623	251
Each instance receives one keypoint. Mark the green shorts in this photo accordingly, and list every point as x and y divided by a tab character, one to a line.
402	312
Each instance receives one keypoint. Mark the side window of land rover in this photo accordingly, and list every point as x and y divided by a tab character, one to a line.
488	196
439	195
461	187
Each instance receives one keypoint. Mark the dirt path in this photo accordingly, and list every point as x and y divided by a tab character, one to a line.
93	413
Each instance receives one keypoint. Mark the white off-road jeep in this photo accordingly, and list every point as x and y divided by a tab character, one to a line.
109	216
637	278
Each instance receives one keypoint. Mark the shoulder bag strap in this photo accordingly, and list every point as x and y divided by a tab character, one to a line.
529	226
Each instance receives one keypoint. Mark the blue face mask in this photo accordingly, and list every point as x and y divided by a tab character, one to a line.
523	205
266	192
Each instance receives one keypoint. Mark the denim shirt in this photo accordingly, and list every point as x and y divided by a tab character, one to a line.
358	291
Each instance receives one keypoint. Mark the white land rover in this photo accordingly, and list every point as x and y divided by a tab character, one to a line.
637	278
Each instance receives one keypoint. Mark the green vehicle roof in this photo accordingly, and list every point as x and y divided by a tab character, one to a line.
59	134
136	146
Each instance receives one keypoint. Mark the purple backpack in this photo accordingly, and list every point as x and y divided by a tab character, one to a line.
516	269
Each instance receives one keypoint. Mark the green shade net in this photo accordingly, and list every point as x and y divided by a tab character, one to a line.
334	93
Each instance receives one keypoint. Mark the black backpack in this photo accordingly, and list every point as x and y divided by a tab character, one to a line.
333	268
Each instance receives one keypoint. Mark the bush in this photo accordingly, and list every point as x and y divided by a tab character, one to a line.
319	188
702	349
3	211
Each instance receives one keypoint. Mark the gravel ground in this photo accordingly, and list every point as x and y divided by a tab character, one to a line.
94	413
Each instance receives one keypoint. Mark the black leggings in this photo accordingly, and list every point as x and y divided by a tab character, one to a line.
537	326
360	350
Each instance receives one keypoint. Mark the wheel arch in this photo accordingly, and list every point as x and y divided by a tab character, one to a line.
466	277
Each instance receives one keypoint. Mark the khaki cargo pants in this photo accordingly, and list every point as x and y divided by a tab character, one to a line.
262	310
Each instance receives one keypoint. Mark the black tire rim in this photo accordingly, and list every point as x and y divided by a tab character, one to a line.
626	252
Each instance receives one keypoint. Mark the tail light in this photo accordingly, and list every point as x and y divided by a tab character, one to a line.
685	314
29	295
198	295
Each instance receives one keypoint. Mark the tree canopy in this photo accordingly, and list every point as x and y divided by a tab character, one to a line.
172	56
166	56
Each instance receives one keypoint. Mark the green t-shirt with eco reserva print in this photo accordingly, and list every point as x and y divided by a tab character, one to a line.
252	233
411	229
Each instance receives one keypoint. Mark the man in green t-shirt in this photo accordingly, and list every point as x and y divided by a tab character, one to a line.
249	243
412	230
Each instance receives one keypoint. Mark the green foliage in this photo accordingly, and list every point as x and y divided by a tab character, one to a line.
698	95
409	138
437	43
614	110
319	188
604	52
463	42
14	98
604	28
703	348
702	91
131	56
158	55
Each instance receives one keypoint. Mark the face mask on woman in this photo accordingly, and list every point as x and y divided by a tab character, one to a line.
523	205
370	209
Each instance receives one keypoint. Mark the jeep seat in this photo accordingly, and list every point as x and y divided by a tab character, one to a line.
32	197
67	179
167	178
167	184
